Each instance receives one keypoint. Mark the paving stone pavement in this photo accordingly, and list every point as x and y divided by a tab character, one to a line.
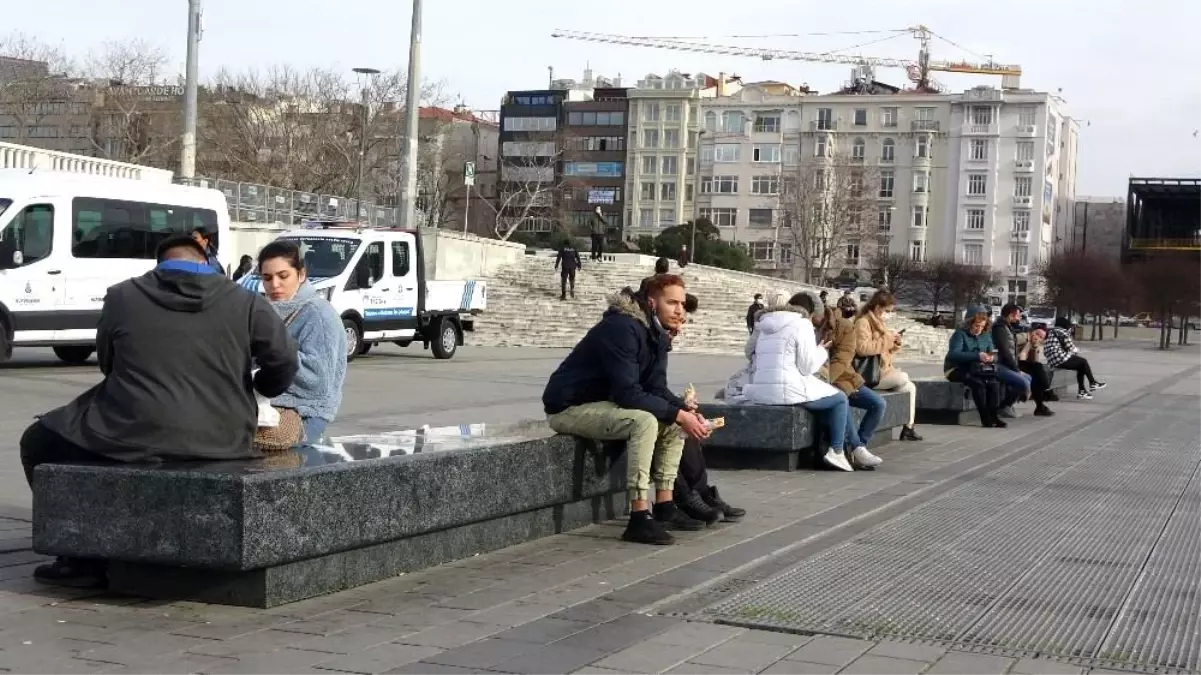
582	602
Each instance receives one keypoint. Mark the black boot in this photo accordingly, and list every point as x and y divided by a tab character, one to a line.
1050	395
643	529
672	518
1042	410
695	507
731	514
73	573
908	433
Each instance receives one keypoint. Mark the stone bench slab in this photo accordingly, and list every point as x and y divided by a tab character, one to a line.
323	519
940	401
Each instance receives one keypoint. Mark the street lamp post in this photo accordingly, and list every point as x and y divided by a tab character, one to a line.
408	213
696	193
365	76
187	145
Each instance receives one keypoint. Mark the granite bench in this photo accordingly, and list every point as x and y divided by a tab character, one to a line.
324	519
782	438
942	402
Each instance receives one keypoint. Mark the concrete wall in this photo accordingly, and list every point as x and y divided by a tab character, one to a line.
1097	227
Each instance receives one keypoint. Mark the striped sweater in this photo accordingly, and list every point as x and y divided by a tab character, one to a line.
1059	347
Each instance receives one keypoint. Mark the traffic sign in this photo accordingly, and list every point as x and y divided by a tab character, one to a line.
469	173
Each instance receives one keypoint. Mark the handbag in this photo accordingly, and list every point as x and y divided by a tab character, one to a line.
869	368
289	431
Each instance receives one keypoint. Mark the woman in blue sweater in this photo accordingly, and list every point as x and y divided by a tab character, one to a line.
320	338
971	359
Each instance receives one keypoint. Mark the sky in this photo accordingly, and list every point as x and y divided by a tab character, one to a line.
1127	71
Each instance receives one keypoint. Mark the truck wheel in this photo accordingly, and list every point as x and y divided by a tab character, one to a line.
446	340
354	338
74	354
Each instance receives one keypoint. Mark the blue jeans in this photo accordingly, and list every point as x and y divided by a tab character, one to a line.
1016	381
833	411
314	429
873	406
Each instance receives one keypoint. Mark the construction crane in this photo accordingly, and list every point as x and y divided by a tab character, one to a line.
918	70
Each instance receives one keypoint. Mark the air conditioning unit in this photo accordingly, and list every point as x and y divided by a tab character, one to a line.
1025	128
1024	165
1023	270
1022	201
1020	235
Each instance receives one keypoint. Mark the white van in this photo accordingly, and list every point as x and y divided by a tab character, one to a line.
375	278
65	238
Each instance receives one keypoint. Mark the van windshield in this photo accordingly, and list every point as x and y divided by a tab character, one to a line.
325	257
1042	313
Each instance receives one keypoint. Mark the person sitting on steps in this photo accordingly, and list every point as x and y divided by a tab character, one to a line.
1033	363
1063	354
613	387
971	360
873	338
1009	372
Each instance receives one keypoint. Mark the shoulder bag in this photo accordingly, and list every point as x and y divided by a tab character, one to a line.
869	368
290	430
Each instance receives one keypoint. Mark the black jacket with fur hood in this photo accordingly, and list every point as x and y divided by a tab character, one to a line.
622	359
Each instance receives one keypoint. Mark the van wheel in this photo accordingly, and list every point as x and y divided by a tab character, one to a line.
354	338
446	340
6	345
74	354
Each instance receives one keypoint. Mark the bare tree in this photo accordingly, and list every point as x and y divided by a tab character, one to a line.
137	116
938	277
898	272
36	85
823	204
527	190
449	139
970	284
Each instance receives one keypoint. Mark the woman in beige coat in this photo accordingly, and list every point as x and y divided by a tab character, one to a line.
875	339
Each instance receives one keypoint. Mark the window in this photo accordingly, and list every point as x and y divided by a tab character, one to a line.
917	251
919	216
819	180
31	233
1019	256
646	217
888	151
884	220
667	217
977	184
587	119
650	163
370	268
973	254
762	251
858	150
821	146
1023	186
647	192
856	185
792	154
531	123
650	138
719	185
979	149
981	115
923	119
687	192
1052	130
721	217
671	166
671	112
886	182
784	252
861	117
707	154
825	119
975	219
889	116
667	192
852	254
592	143
727	152
1025	151
650	112
690	166
921	182
528	149
732	122
109	228
594	169
671	138
921	148
765	185
1021	221
767	123
854	218
767	153
400	258
1026	115
761	217
592	195
710	121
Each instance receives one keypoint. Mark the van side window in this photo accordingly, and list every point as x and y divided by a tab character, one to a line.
400	258
31	233
112	228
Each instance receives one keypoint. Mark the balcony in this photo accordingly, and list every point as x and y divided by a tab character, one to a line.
1019	200
1020	235
923	125
976	197
1018	270
1025	130
922	160
978	129
1023	165
823	125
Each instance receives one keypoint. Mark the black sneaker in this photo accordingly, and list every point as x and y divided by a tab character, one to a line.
73	573
696	508
643	529
1043	411
731	514
1096	386
1051	396
908	433
672	518
997	424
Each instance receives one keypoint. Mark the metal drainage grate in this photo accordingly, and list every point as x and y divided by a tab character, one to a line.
1087	550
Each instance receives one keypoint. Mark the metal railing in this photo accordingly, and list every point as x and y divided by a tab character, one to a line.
266	205
14	156
1177	244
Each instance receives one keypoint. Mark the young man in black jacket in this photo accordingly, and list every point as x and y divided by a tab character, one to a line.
1009	371
567	262
613	386
176	346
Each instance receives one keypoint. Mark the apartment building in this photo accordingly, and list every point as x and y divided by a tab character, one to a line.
661	154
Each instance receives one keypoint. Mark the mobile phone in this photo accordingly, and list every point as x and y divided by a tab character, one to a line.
902	331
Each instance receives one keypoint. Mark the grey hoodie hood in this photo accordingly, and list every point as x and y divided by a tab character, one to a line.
184	291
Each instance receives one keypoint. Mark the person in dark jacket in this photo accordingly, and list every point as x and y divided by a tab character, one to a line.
245	266
1009	372
613	386
752	312
204	236
567	262
971	359
176	347
598	227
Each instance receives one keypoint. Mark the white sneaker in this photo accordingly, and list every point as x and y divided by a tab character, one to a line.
838	460
1084	395
862	457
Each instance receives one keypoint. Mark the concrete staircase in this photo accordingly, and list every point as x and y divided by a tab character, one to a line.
524	309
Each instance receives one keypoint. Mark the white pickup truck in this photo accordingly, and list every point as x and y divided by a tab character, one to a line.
375	278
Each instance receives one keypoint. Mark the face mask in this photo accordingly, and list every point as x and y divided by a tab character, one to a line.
889	316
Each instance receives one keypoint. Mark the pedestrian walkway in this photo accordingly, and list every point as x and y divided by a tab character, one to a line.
1041	548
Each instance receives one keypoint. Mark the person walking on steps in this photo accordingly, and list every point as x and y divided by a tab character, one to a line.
567	262
1063	354
598	225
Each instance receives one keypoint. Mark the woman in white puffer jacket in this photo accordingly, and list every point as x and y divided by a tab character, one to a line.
785	358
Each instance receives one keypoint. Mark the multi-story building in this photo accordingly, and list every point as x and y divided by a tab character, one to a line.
661	154
1095	227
